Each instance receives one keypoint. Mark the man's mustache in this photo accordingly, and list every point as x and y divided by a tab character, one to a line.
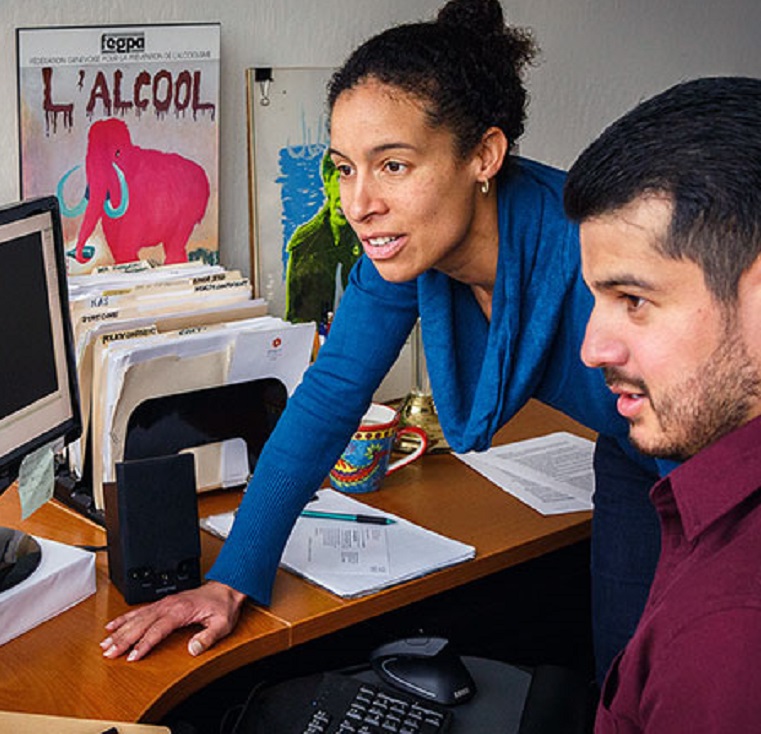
614	377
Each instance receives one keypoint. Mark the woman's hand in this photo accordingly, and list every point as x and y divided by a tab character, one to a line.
215	606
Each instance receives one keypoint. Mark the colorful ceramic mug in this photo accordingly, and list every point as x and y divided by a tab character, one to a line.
366	460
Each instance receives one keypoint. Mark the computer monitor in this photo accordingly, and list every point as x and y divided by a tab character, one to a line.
39	398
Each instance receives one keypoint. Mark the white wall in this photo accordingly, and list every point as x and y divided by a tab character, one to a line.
599	58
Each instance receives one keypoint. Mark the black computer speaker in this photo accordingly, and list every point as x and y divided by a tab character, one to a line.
154	545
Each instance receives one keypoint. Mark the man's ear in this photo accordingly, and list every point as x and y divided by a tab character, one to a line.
749	301
751	278
491	153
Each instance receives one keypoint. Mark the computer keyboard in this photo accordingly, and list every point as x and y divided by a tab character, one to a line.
344	705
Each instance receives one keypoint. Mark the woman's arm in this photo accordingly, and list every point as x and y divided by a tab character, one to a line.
369	330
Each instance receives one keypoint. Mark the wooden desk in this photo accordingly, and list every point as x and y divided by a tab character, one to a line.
57	668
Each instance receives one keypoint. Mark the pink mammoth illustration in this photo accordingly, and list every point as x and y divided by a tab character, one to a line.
142	197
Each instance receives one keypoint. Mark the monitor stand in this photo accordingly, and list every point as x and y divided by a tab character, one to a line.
77	496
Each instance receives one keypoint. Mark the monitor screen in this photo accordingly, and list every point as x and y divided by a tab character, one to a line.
39	401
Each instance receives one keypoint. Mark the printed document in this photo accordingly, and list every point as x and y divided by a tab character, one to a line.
352	547
353	559
552	474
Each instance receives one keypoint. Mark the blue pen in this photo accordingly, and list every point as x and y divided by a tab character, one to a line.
370	519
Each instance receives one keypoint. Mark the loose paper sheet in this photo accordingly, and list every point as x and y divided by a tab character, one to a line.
552	474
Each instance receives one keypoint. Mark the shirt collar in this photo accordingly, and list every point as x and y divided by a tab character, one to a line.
715	480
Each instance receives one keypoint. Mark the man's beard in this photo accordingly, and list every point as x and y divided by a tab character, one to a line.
714	400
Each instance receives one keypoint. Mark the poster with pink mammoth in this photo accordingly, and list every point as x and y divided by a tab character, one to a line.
121	123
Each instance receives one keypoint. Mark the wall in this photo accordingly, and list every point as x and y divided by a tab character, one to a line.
599	58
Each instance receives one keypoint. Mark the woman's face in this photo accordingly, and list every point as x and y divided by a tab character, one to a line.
406	193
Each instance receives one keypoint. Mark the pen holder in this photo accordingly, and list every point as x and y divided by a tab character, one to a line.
366	460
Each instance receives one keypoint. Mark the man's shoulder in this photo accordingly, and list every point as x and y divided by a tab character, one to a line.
708	670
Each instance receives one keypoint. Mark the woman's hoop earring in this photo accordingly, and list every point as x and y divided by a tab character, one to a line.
485	185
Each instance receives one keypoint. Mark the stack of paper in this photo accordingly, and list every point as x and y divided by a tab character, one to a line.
65	577
353	559
144	332
552	474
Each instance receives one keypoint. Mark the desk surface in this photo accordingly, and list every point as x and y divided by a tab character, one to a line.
57	668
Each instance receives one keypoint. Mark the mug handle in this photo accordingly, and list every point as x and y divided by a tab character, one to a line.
418	452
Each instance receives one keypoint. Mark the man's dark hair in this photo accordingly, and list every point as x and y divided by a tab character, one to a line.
698	144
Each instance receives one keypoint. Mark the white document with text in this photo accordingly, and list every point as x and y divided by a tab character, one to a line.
353	559
552	474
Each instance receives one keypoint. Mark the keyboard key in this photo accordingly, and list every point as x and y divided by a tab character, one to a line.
343	705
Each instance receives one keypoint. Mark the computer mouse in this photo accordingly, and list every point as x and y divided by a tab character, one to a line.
426	667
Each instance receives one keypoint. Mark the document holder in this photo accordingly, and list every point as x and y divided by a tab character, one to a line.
170	423
166	425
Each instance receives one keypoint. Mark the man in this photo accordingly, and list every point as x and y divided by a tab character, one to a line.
669	202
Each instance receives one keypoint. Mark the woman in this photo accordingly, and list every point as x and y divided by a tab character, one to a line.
454	230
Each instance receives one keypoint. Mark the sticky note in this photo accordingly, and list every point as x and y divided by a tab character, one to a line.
36	480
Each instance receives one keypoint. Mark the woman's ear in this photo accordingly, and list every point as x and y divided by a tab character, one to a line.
491	153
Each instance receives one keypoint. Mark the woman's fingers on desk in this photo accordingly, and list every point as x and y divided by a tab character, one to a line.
214	606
